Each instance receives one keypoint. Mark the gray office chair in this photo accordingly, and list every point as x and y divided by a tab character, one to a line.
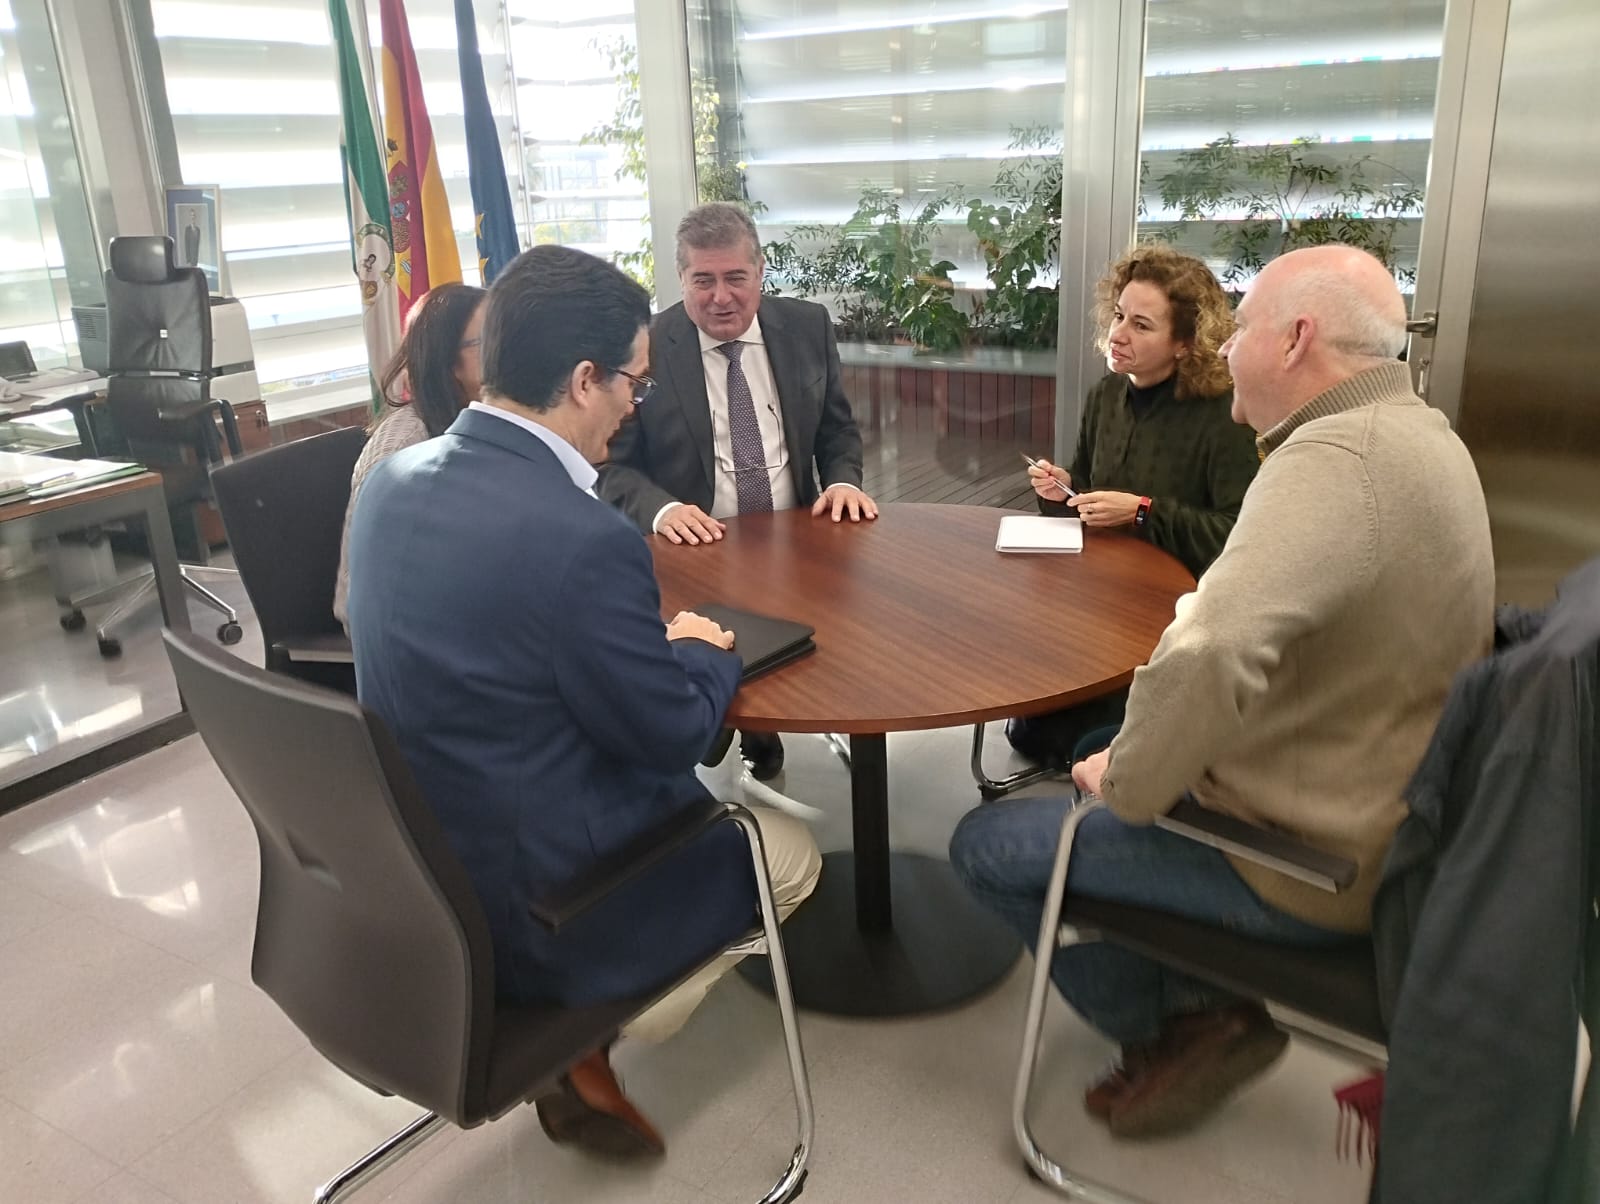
284	512
369	935
158	397
1327	995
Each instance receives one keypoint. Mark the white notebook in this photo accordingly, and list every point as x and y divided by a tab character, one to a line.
1036	533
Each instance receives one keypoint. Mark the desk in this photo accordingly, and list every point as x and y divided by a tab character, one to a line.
920	624
138	497
74	397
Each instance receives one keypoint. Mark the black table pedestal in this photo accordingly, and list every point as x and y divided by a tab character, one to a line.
887	934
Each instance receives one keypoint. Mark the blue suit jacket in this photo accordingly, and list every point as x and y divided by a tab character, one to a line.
507	628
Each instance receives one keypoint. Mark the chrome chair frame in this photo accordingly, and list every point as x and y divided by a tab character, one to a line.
993	788
1314	867
142	598
768	940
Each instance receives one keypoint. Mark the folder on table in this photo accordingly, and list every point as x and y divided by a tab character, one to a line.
1036	533
762	642
43	476
85	473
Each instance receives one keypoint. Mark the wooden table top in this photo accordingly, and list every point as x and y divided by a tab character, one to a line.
920	622
27	507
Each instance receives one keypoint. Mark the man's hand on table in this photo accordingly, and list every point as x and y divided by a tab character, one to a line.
686	523
686	625
1088	772
845	499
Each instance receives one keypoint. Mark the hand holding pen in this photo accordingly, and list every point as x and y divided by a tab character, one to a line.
1049	481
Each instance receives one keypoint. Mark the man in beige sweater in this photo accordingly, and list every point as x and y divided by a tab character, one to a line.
1297	688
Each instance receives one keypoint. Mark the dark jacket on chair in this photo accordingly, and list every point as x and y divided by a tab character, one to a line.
1483	920
507	629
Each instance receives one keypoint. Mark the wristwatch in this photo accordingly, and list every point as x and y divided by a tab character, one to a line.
1142	513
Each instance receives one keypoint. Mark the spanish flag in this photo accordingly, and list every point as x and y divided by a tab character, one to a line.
419	212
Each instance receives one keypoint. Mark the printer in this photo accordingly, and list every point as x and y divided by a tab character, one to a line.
233	358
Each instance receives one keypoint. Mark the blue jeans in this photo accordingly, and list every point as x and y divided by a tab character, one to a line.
1004	852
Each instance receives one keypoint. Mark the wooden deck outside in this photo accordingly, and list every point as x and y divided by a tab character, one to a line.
950	436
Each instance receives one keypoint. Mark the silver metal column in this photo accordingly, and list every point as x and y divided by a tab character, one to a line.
668	133
1099	185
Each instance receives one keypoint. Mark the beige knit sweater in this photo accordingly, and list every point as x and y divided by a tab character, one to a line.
1300	683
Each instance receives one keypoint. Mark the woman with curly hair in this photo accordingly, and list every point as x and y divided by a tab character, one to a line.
1158	454
436	374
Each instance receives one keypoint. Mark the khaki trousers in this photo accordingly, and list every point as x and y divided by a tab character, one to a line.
794	865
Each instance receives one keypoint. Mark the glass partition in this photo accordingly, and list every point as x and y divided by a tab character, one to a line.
1269	127
903	162
39	200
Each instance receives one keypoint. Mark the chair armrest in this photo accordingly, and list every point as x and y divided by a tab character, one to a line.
1260	845
561	907
320	649
230	425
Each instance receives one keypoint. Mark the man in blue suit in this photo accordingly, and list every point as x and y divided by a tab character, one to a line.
507	628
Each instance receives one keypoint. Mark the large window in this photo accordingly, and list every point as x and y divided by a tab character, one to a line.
42	204
253	93
579	102
1268	127
904	163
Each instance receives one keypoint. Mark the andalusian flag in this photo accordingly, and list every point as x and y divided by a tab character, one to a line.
419	211
366	192
491	196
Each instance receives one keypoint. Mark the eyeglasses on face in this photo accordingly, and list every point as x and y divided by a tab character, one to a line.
643	386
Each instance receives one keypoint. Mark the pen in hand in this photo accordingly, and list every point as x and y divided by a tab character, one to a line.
1054	480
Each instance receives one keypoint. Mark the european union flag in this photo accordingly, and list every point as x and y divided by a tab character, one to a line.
491	197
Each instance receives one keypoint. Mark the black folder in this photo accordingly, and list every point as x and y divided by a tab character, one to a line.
762	642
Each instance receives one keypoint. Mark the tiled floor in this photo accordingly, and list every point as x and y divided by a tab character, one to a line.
139	1066
60	698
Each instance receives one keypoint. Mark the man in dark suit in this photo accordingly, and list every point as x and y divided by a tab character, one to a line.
752	415
191	242
506	626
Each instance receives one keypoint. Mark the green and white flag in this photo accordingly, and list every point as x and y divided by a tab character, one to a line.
366	187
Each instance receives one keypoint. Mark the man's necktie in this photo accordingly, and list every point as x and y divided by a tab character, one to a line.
749	454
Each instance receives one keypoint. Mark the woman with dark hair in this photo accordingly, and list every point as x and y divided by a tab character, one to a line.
436	373
1158	453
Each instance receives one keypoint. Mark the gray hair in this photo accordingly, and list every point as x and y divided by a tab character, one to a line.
716	225
1349	318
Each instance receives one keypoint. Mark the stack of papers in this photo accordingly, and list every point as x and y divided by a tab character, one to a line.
1035	533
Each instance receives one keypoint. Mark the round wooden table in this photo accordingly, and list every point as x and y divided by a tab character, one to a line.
920	624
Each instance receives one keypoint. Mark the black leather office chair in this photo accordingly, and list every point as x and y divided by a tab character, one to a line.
284	512
369	935
158	397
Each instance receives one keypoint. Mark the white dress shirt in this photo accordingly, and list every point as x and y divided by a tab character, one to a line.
582	472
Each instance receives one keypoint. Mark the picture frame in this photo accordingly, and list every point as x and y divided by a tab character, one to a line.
194	223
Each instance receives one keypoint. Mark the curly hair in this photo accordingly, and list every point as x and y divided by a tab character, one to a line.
1201	313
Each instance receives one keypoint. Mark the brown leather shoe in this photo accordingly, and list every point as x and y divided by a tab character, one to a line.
590	1111
1204	1057
1107	1090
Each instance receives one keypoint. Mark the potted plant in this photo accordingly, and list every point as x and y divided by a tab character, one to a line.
1265	200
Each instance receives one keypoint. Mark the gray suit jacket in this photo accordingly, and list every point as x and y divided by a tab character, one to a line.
664	453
